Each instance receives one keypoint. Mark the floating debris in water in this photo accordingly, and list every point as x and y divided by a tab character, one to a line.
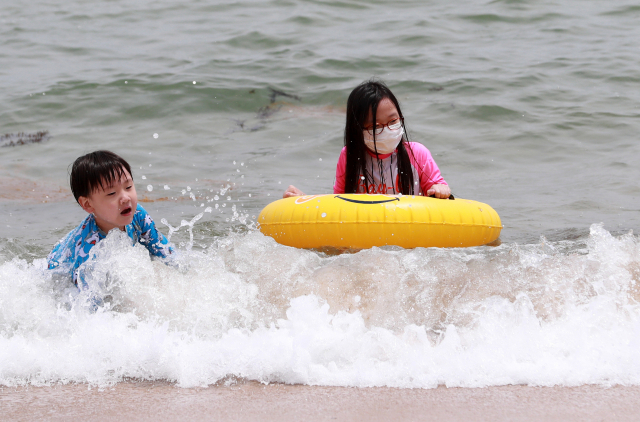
264	112
275	93
273	107
15	139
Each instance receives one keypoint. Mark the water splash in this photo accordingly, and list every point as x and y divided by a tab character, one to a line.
551	313
185	223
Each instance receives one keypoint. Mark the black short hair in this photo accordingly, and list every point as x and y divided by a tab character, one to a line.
96	169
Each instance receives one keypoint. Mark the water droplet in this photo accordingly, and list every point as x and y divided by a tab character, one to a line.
126	82
194	82
249	195
149	188
324	214
319	159
144	177
216	197
155	136
189	188
228	198
166	187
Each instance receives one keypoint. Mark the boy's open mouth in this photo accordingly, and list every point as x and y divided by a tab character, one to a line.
125	211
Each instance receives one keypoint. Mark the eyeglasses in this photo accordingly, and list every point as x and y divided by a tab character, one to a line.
394	124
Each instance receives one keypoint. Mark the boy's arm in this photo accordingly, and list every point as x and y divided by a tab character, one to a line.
150	236
68	254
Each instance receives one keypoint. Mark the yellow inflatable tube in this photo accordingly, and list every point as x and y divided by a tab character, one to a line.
363	221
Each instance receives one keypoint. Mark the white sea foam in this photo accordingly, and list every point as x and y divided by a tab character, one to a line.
547	314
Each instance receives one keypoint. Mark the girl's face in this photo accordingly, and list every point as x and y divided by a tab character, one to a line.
386	114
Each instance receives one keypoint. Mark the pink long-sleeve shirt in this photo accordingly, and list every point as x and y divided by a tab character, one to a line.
425	171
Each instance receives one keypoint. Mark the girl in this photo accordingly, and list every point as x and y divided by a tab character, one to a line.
377	157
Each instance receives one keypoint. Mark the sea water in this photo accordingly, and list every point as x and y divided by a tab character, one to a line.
219	106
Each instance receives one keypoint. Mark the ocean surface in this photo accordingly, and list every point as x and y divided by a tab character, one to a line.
531	107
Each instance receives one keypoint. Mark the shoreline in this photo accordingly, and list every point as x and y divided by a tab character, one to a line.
249	401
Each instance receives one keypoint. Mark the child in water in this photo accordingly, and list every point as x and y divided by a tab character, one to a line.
102	184
377	157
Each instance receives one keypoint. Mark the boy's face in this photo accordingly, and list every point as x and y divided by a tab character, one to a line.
114	205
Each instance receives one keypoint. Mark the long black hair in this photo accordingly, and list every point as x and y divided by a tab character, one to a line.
362	100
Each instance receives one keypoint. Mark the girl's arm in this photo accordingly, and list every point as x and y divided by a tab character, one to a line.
439	191
341	171
338	186
431	181
292	191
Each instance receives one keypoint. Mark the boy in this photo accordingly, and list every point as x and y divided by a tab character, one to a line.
102	185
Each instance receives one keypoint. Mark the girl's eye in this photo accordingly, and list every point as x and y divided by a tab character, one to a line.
111	193
129	187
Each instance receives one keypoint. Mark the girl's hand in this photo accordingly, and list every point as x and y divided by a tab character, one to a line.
292	191
440	191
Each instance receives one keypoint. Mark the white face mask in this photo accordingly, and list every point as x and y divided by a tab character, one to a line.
386	142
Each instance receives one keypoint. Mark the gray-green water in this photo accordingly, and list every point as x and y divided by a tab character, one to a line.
531	107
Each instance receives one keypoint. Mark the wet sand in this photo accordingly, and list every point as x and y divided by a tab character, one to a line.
250	401
18	189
